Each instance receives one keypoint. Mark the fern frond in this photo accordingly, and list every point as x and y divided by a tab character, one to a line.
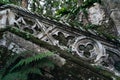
32	70
44	63
32	59
36	68
13	58
15	76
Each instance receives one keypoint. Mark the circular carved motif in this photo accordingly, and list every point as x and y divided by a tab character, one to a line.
88	49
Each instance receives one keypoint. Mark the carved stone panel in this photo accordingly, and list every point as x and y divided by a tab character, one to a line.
91	48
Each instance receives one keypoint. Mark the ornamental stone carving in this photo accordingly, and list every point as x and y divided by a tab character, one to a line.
90	46
89	49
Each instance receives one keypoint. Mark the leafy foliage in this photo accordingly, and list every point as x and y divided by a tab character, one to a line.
16	2
88	3
65	10
4	55
4	1
14	76
19	67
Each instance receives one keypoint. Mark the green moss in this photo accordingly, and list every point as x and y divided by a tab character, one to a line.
63	53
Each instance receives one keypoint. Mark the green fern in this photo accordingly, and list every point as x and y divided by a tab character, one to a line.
44	63
14	57
15	76
31	70
23	67
32	59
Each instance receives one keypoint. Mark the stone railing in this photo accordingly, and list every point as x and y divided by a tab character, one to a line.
88	45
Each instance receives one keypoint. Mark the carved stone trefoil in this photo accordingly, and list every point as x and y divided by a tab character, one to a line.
89	49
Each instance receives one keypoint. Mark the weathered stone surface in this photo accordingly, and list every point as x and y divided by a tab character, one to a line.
3	18
113	9
14	41
18	45
96	14
115	15
111	4
60	35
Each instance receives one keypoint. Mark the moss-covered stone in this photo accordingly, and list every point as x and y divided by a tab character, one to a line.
68	56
